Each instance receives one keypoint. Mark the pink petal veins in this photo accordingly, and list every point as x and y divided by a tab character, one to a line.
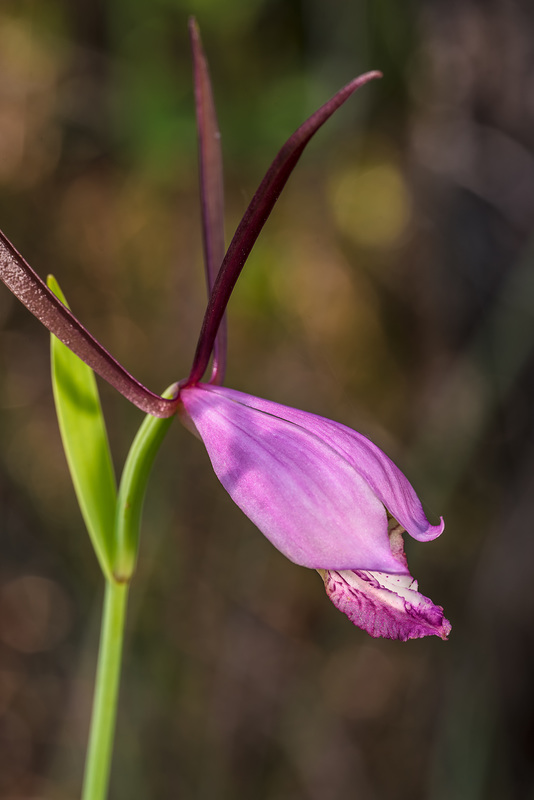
385	479
302	493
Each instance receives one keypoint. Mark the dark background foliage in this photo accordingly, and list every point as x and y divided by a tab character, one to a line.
392	290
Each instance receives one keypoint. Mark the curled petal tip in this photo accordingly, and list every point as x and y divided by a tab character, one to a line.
421	528
426	532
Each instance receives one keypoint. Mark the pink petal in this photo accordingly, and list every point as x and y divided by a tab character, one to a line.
301	492
383	476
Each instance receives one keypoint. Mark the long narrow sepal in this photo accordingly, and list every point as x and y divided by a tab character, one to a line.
85	441
255	217
211	186
28	287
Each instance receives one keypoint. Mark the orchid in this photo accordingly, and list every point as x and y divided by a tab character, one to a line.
323	494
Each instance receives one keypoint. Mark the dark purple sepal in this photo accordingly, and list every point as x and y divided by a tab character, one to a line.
255	217
28	287
211	186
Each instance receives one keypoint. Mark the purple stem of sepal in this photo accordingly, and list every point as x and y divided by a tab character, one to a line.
254	219
211	187
28	287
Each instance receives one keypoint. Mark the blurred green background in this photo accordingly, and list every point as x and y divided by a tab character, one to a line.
393	290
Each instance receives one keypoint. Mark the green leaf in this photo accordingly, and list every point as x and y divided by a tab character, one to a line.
85	441
133	488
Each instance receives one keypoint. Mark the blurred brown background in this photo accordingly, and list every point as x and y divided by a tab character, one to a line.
393	290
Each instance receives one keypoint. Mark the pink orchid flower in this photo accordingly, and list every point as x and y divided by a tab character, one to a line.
323	494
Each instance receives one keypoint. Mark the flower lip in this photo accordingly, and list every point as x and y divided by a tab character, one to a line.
384	605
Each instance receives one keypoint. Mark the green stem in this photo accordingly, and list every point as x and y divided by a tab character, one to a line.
98	761
132	490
